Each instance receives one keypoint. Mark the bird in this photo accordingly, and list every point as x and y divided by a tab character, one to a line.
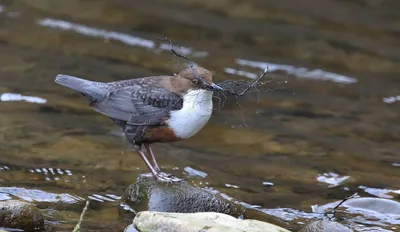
153	109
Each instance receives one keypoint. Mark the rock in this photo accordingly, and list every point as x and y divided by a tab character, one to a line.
373	204
187	222
325	226
147	194
20	215
364	205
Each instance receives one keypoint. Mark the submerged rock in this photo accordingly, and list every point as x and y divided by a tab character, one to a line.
187	222
148	195
364	205
373	204
325	226
20	215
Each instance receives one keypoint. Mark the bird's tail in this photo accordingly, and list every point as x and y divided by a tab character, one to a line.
92	89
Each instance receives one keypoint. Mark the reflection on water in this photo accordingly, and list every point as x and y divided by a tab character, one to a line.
298	72
89	31
34	195
390	100
284	161
382	193
267	183
333	179
4	196
241	73
101	198
194	172
110	35
290	215
366	214
4	97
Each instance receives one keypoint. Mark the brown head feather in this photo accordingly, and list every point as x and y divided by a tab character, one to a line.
191	78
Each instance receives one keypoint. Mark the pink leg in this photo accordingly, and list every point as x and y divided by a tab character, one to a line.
148	148
143	156
155	170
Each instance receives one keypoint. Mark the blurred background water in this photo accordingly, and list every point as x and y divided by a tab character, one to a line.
327	128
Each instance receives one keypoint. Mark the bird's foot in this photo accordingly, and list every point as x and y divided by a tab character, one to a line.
167	178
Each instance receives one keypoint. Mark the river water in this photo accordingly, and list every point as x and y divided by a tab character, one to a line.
327	126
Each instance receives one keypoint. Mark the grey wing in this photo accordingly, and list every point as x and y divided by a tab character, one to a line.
138	105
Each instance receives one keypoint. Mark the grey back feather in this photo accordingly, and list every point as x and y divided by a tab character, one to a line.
141	101
95	91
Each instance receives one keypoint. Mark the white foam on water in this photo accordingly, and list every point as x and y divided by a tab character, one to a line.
231	186
301	72
382	193
32	195
180	49
95	32
288	214
113	196
4	97
240	73
194	172
4	196
267	183
333	179
113	35
102	198
391	100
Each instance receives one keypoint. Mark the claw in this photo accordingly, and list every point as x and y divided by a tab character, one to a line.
167	178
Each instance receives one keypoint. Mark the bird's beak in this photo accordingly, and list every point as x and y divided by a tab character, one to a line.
216	87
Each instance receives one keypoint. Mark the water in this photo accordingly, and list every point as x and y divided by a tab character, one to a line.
328	128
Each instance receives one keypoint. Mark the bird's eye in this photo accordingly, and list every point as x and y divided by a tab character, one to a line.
195	81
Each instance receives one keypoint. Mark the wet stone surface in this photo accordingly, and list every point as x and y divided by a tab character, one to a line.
20	215
325	226
146	194
329	126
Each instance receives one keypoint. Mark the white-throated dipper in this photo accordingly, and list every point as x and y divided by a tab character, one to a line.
152	109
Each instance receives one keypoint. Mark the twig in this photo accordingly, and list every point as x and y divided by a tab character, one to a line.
191	64
78	226
176	53
333	211
252	85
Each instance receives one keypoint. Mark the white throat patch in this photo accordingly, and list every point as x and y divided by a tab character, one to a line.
196	111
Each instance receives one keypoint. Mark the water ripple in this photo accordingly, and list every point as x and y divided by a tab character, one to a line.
113	35
333	179
4	97
39	195
391	100
382	193
194	172
315	74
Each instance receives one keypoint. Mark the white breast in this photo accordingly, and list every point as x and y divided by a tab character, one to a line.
196	111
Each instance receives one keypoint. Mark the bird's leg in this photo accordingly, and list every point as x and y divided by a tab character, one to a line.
148	148
155	170
143	156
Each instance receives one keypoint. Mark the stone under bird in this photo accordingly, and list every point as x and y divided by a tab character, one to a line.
155	109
